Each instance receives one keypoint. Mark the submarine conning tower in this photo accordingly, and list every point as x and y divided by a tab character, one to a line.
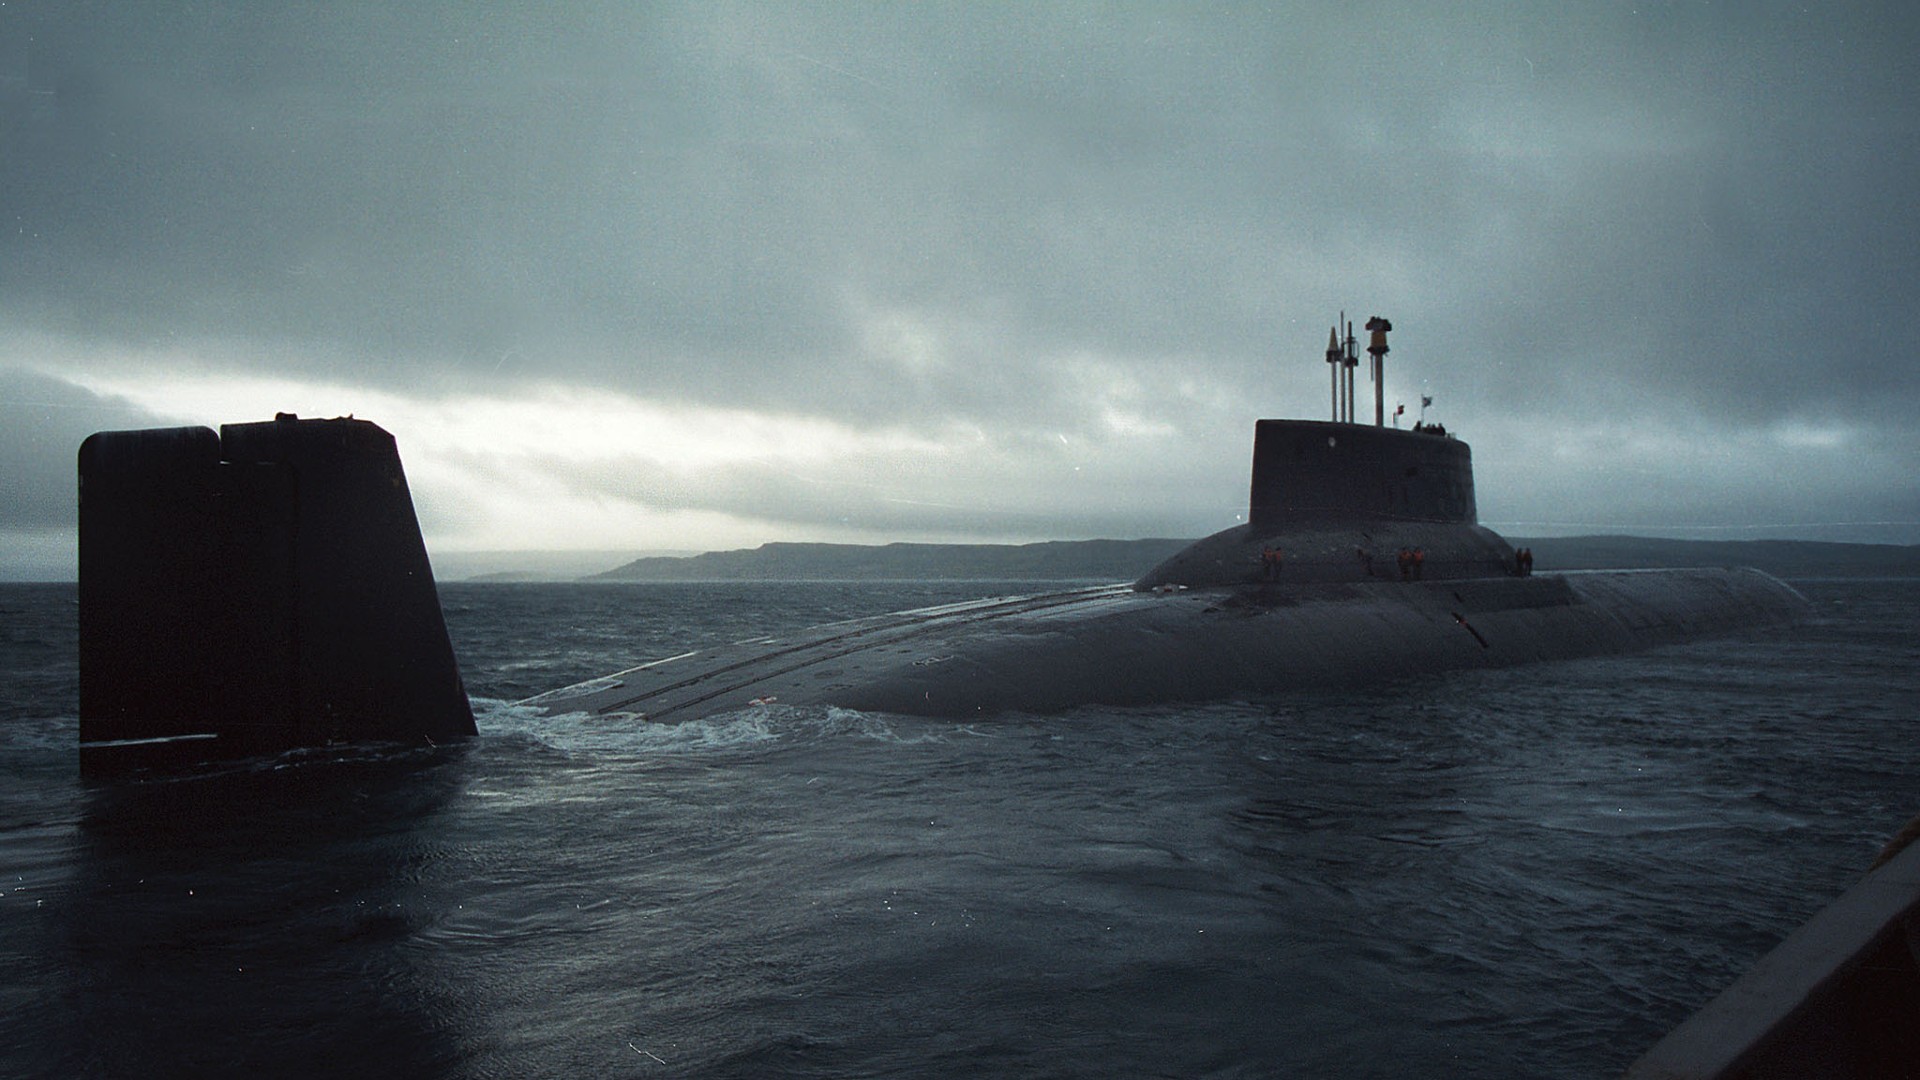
259	590
1312	471
1341	501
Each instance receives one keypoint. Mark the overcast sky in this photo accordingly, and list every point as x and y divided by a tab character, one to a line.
652	276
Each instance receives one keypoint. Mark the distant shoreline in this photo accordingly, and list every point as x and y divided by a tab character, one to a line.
1125	560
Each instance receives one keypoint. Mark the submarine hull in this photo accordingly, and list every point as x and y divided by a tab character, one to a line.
1121	646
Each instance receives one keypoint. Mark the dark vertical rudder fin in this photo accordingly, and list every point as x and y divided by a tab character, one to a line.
253	591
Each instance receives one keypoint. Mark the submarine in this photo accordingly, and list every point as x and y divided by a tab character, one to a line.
1361	560
267	588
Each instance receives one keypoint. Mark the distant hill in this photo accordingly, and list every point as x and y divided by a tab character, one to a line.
1105	560
514	566
1124	560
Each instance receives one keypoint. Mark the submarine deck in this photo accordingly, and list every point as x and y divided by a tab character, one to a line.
1115	645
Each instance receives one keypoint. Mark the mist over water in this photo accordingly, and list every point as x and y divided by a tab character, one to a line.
1514	873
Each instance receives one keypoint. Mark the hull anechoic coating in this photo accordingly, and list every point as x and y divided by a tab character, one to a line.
1119	646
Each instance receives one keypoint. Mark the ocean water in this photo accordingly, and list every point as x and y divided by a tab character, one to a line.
1521	873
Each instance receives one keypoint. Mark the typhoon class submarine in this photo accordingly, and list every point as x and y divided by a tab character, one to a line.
267	588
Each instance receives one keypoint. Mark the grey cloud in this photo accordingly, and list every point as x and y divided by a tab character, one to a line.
42	423
1562	209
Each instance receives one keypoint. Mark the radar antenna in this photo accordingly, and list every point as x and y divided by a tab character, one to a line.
1377	327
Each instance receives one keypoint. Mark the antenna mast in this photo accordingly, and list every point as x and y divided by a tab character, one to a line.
1377	327
1351	361
1333	368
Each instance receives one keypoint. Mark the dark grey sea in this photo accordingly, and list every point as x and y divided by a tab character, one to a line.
1522	873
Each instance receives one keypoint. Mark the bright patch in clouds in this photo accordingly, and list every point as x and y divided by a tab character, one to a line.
552	422
544	470
1797	434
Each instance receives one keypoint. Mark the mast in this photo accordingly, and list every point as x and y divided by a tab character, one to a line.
1377	328
1342	359
1351	361
1333	368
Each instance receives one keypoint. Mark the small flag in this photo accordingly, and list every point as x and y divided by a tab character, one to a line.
1399	411
1425	401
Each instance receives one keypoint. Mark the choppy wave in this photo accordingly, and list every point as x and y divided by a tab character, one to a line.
1508	873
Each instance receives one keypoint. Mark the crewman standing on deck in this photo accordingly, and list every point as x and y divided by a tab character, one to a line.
1270	562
